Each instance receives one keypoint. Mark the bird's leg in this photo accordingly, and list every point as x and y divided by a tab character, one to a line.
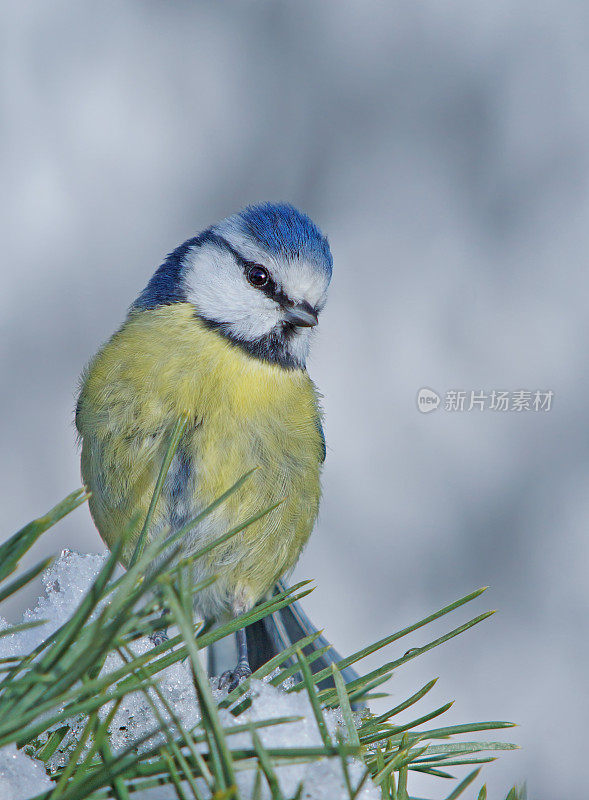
232	677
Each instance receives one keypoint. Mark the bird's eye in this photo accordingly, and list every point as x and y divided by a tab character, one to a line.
257	276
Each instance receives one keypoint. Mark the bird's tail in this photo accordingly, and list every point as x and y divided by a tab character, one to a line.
273	634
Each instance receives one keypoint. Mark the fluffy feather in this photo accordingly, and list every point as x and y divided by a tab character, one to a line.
244	412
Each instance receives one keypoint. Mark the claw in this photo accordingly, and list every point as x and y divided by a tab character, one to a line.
159	637
231	678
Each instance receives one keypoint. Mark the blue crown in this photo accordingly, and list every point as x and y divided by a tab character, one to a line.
284	231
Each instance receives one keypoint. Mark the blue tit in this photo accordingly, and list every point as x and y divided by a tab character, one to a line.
221	333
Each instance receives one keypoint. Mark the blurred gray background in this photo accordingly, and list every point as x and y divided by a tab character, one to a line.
444	148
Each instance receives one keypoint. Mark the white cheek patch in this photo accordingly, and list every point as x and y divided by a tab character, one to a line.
218	289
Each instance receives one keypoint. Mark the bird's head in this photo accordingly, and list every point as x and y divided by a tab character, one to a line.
259	277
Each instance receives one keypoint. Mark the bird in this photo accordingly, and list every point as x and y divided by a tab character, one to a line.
221	333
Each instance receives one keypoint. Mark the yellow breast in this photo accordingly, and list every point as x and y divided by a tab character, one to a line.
244	413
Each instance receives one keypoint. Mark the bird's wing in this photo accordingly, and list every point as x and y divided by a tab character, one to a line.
122	453
322	434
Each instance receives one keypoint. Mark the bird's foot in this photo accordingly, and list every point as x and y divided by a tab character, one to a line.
159	637
233	677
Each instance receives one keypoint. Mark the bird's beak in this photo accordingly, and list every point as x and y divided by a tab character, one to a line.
303	316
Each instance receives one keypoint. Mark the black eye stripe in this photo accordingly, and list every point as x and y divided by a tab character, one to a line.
270	289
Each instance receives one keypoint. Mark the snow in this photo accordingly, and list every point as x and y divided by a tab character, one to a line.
20	776
65	583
